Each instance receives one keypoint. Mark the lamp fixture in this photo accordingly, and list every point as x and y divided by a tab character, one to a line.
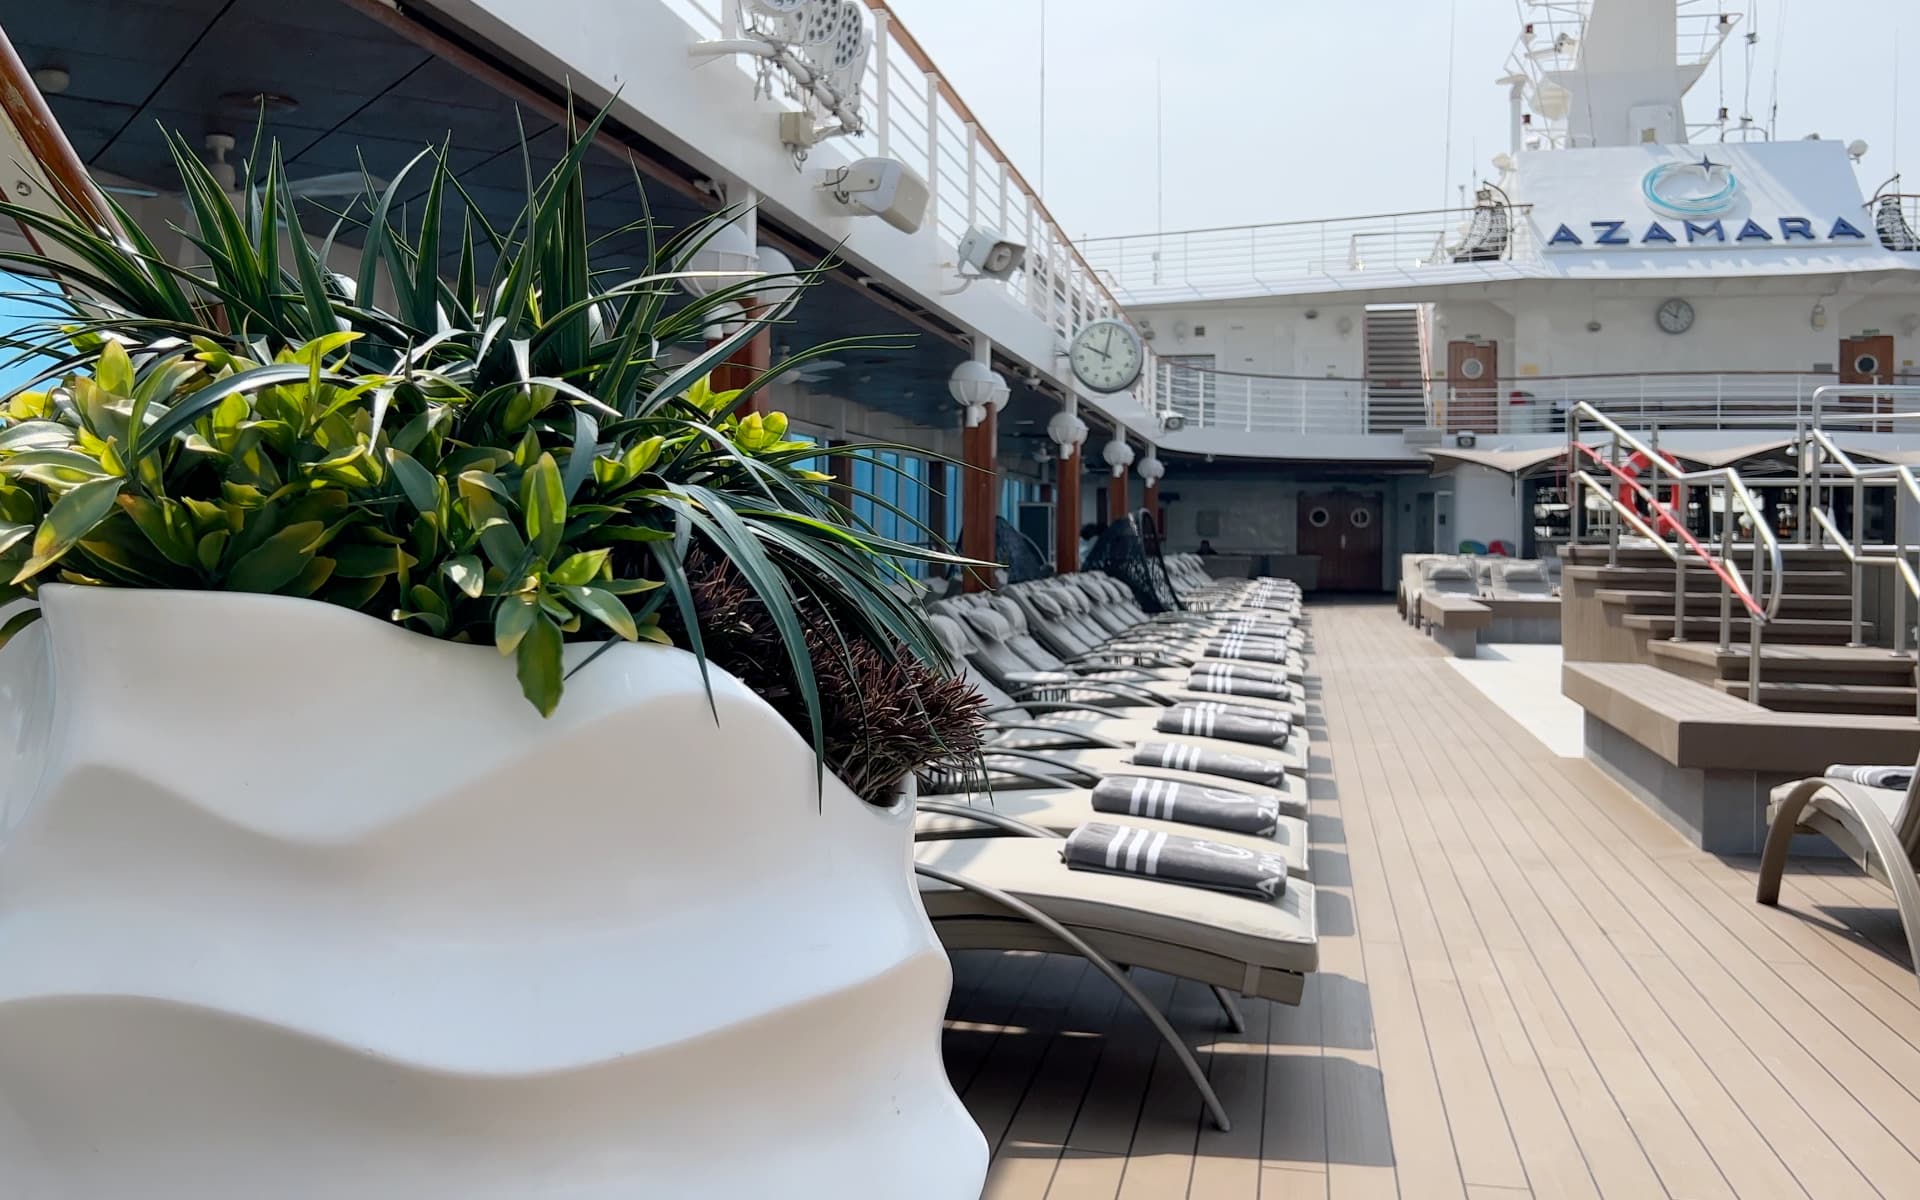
1119	454
1068	432
977	387
726	258
1151	469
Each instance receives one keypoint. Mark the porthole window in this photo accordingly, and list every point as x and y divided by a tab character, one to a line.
1473	368
1867	364
1360	518
1319	518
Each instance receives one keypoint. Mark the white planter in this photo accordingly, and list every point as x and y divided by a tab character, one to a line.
295	903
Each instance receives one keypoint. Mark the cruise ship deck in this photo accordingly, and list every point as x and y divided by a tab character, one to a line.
1529	985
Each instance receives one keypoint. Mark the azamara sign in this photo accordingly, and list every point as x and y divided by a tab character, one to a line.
1657	233
1694	198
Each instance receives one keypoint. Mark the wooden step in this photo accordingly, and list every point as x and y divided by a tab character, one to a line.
1782	662
1802	605
1699	579
1866	699
1797	629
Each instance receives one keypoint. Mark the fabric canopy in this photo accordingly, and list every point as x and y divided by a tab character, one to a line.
1507	462
1727	456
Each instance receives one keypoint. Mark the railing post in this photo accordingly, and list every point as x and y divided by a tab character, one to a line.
1719	402
1899	572
1726	556
1303	406
1613	524
1859	548
933	147
973	174
882	81
1754	630
1679	598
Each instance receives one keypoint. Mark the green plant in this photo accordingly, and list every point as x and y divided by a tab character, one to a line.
520	459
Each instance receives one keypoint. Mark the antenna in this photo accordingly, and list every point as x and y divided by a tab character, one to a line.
1043	101
1159	151
1446	153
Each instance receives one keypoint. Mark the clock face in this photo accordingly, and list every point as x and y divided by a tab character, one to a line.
1107	355
1676	316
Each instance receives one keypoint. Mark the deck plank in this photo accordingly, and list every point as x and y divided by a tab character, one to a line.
1529	986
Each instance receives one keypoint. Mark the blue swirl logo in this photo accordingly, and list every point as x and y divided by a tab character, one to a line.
1690	189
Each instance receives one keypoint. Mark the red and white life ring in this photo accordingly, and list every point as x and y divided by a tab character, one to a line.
1676	498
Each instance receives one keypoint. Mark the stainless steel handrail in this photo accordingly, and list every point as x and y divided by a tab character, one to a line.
1769	561
1816	450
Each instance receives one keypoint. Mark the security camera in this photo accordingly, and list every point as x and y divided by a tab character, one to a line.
879	187
990	255
1172	422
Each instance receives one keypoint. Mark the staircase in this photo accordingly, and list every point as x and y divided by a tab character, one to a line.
1396	376
1806	664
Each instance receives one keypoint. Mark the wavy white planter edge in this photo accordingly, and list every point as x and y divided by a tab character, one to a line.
296	903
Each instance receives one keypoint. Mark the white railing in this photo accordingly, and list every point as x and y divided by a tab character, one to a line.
1277	404
912	114
1201	262
1530	405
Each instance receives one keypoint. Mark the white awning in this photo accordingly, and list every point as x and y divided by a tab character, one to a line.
1507	462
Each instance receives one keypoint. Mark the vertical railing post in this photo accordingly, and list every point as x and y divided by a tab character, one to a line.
1726	556
1613	525
1719	402
1679	597
973	174
933	147
1859	545
883	81
1754	622
1899	571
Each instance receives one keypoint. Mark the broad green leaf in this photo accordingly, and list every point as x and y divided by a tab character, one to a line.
579	569
630	587
422	489
604	607
17	622
211	549
504	546
543	501
72	517
35	435
512	618
466	573
165	524
316	576
370	562
277	561
113	370
12	535
540	666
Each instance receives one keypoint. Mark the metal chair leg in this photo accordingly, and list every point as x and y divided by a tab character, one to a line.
1119	977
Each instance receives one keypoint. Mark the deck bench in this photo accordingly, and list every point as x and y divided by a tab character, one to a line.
1455	621
1706	761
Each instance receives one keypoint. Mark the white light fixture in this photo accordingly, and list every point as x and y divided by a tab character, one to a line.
1068	432
974	386
725	259
783	283
1002	393
724	321
1151	469
1118	454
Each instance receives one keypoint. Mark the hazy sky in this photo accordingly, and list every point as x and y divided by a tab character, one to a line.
1287	109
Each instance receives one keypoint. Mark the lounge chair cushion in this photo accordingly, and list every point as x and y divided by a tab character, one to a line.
1181	757
1199	720
1158	926
1188	861
1187	803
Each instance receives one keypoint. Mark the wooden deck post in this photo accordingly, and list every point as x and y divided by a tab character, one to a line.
1117	497
1066	514
979	491
747	364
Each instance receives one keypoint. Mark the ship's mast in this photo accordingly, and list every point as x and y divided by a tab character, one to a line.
1611	72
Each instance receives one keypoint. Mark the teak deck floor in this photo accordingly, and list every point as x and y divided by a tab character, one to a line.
1528	986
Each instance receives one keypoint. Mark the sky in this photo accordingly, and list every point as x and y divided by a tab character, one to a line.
1276	110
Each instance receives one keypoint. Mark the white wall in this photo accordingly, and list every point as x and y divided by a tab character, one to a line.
1264	339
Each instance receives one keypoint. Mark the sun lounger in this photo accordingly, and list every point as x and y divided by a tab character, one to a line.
1878	827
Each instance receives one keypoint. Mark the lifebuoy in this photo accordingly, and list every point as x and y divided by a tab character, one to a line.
1676	495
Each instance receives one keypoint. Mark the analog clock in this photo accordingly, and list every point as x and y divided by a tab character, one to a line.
1107	355
1676	316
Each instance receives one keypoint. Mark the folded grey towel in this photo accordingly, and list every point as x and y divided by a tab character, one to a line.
1273	625
1243	649
1233	685
1227	727
1898	779
1253	672
1187	803
1171	858
1179	756
1238	710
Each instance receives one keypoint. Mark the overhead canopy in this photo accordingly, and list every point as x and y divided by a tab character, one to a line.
1507	462
1727	456
1904	458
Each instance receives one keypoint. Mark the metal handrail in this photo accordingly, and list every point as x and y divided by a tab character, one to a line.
1767	552
1817	441
1726	477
